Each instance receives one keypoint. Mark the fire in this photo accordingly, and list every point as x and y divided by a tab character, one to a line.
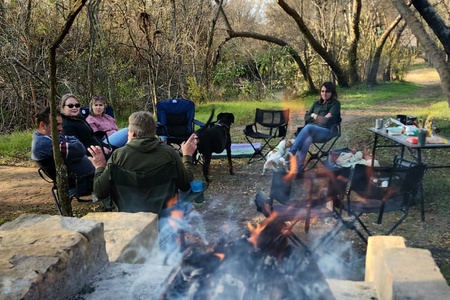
176	215
255	232
293	169
221	256
172	201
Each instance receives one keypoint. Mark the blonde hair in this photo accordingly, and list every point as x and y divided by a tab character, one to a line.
64	99
142	124
94	99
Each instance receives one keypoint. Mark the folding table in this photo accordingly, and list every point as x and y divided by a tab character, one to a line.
401	141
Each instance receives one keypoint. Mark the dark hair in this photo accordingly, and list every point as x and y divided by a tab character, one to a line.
330	87
43	115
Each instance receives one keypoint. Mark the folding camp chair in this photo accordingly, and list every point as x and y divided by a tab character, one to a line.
318	152
380	190
311	196
79	186
175	120
142	192
268	125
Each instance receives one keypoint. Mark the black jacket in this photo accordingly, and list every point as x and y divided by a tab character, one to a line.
78	127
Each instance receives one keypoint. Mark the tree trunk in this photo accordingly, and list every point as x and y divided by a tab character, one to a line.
281	43
372	76
353	45
270	39
209	44
436	56
62	178
340	73
435	22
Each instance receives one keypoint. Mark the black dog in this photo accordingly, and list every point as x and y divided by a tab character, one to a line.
215	137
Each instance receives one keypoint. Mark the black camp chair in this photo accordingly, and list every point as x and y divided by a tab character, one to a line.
268	125
80	187
152	191
303	198
377	191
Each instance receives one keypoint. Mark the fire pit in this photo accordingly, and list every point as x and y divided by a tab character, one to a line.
262	265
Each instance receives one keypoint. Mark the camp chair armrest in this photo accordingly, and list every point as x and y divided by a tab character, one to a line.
250	128
198	123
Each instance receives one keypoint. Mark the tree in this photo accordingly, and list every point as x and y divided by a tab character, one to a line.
434	20
373	70
435	55
62	179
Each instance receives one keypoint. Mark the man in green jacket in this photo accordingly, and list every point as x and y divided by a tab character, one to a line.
142	153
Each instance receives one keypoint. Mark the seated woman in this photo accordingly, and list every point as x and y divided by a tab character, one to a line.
75	125
320	118
100	121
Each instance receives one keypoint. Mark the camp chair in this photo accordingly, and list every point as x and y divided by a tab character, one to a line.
79	186
304	198
380	190
142	192
318	152
153	191
175	120
268	125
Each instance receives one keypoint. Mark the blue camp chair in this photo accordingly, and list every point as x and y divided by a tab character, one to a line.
175	120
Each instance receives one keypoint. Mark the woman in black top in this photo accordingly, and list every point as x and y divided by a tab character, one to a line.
75	125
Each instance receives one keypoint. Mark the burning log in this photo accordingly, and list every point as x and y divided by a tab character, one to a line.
262	265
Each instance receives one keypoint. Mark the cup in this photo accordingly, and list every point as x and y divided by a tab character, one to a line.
379	123
422	137
197	186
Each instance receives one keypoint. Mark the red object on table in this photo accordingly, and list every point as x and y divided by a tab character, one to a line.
412	139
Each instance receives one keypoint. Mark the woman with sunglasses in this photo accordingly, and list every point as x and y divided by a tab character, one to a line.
75	125
319	120
99	120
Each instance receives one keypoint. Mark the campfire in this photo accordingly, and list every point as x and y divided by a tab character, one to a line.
260	265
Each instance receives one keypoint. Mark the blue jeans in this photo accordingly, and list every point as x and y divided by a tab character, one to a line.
310	133
118	138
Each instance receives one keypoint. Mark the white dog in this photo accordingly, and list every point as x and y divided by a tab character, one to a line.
277	156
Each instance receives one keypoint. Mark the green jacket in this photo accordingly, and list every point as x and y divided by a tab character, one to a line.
333	107
141	155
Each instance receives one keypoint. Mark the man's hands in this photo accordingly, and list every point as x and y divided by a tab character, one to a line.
97	158
188	147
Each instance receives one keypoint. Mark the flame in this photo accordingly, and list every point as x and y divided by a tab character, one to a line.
293	169
256	231
172	201
221	256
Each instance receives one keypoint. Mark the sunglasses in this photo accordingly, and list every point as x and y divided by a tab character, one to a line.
71	105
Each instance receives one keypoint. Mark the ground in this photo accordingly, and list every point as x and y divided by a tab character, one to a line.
229	205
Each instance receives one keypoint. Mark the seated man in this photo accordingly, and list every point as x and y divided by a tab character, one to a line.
142	153
72	150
